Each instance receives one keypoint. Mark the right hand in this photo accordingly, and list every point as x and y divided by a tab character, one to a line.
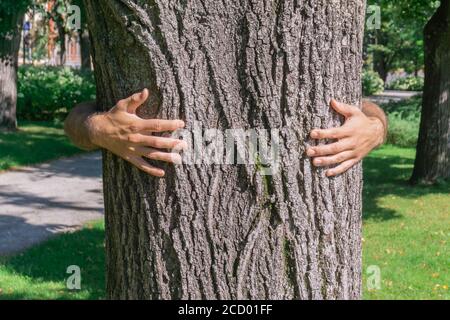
130	137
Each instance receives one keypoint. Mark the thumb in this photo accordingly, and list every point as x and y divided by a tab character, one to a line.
133	102
137	100
344	109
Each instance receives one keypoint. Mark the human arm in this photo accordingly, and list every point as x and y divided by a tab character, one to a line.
362	131
125	134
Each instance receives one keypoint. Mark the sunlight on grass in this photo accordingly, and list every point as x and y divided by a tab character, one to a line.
406	229
34	142
40	272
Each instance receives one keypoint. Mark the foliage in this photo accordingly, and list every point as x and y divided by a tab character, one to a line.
9	8
372	83
46	93
409	83
34	142
399	43
404	121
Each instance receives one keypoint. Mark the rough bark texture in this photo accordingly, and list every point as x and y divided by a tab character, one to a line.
9	59
433	147
85	48
226	231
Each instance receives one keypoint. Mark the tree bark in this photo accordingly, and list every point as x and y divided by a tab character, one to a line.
85	48
227	231
433	147
9	59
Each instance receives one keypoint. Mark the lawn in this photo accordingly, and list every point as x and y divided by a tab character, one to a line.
34	142
406	233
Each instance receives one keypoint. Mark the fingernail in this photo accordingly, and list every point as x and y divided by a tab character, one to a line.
314	134
329	173
181	123
317	162
311	152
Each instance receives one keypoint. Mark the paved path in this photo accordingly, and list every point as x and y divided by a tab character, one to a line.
38	202
393	95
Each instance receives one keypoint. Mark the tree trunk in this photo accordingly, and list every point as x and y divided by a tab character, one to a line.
62	45
85	48
227	231
9	59
380	65
433	147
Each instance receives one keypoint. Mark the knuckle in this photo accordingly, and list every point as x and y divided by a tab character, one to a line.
133	128
334	149
132	138
157	126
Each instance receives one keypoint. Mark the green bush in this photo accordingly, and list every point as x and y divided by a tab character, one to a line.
372	83
404	121
48	93
410	83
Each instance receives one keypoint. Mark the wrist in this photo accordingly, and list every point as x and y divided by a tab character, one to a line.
379	130
93	127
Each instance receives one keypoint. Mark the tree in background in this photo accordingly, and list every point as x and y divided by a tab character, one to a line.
12	14
399	42
57	13
433	147
228	231
83	35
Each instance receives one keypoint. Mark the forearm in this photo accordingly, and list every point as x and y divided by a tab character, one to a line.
371	110
77	125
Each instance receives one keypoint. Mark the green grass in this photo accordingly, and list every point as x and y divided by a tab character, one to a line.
406	233
34	142
40	272
406	229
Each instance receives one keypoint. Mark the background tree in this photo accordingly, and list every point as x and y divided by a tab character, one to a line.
433	147
398	44
12	14
58	14
83	35
217	231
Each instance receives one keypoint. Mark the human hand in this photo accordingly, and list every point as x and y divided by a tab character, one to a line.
358	136
130	137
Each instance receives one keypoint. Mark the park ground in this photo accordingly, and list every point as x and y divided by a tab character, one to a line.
405	234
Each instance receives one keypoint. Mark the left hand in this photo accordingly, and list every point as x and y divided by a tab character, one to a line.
358	136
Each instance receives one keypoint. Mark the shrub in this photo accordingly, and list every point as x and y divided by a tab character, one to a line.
372	83
48	93
404	121
410	83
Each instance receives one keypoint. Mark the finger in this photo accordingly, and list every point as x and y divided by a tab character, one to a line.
344	109
133	102
143	165
160	155
343	167
160	142
337	158
332	133
329	149
156	125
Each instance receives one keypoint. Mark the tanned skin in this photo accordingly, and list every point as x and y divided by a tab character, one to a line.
128	136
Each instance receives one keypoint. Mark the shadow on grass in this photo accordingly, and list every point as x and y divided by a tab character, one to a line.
388	175
47	264
34	143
